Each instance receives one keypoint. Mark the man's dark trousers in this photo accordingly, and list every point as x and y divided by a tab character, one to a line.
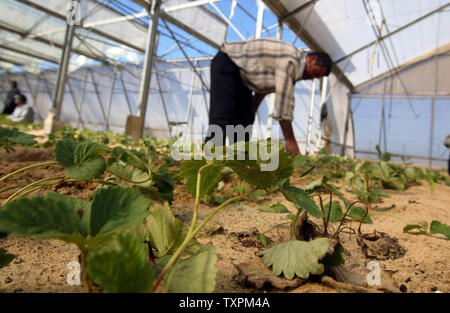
230	100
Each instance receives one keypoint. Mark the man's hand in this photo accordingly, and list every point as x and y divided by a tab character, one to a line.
292	148
288	133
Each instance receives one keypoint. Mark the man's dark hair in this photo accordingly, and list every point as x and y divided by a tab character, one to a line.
21	97
13	82
323	60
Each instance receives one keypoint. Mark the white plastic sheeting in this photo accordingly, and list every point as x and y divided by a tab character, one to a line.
184	98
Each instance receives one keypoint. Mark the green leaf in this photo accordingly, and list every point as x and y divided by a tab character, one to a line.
255	170
81	207
315	184
124	269
264	239
194	274
167	232
335	258
437	227
419	229
302	199
117	207
5	258
274	208
83	161
299	159
348	178
358	213
258	193
211	176
41	218
336	213
296	257
64	152
16	136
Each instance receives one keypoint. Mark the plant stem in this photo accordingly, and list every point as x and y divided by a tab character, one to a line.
30	185
299	210
188	238
85	278
26	168
197	195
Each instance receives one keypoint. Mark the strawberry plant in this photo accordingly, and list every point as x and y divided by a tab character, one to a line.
9	137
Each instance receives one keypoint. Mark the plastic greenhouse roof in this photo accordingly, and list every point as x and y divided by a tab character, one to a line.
366	39
350	31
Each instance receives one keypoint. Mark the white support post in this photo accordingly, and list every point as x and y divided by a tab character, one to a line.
310	116
55	113
323	97
148	64
258	31
271	101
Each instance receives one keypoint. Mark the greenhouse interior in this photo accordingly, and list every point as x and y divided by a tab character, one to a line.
373	131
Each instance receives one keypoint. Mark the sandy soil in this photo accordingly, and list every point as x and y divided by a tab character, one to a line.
41	266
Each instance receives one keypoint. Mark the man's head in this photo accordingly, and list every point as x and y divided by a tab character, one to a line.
318	64
20	99
13	84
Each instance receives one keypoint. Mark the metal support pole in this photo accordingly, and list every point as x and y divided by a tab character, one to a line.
110	98
64	62
258	31
323	97
99	99
148	63
271	101
126	93
163	102
310	115
347	117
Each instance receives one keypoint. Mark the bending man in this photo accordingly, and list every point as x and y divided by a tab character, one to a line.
261	66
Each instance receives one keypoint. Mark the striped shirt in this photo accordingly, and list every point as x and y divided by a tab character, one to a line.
269	65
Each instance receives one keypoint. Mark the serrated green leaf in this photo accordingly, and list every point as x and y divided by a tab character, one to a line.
41	218
15	136
117	207
254	170
299	159
258	193
302	199
194	274
437	227
124	269
336	213
167	232
5	258
83	161
296	257
82	209
274	208
358	213
210	178
64	152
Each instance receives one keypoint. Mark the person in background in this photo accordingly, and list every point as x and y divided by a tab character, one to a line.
23	110
9	102
261	66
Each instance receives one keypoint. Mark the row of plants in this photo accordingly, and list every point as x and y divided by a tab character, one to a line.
128	236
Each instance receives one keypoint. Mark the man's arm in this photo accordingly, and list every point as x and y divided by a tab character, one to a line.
257	100
288	133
